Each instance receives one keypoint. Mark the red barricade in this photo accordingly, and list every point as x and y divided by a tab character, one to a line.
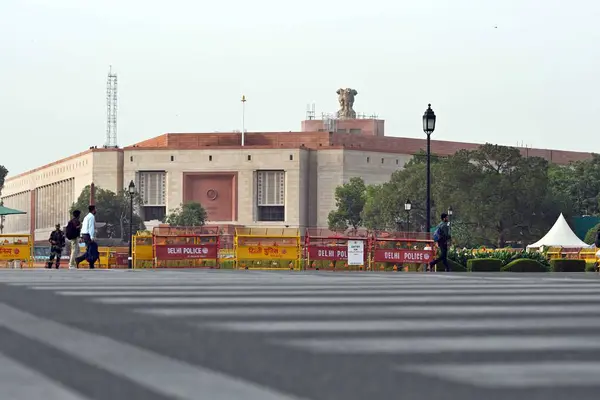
328	250
402	251
186	247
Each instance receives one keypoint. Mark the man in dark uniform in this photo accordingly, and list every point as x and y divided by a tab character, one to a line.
57	244
442	237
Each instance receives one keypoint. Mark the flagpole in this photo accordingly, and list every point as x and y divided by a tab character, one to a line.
243	119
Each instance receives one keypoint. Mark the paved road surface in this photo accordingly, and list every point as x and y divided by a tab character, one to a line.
218	335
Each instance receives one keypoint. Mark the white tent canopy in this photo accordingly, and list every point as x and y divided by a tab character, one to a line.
560	235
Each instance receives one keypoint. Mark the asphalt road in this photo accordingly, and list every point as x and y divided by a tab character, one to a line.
248	335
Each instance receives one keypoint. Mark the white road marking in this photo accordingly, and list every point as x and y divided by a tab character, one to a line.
231	312
19	382
290	292
515	375
467	344
409	325
564	298
183	380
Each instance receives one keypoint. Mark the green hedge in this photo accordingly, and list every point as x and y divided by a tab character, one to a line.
567	265
590	267
484	265
524	265
454	267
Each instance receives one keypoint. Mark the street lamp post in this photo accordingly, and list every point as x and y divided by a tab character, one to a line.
450	212
131	193
428	128
407	207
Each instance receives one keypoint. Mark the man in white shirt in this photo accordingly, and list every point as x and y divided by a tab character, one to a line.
88	234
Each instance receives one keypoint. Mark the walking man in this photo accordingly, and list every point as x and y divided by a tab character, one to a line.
88	234
57	243
73	233
442	237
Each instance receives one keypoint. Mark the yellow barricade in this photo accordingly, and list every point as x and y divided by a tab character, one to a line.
142	250
103	260
553	252
267	248
16	251
589	255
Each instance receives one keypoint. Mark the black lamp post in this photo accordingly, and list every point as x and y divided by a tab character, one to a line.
131	193
450	212
428	128
407	207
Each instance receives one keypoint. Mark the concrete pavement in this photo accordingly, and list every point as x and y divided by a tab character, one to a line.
294	335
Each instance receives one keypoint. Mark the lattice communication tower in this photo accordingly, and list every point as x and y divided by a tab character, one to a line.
111	109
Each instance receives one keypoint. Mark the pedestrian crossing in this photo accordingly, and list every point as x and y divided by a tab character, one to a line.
488	332
21	387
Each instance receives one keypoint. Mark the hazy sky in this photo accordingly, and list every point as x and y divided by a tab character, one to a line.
183	66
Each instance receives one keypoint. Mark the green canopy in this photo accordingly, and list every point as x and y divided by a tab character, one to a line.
10	211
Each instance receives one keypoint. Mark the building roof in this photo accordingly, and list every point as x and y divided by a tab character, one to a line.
329	140
61	160
311	140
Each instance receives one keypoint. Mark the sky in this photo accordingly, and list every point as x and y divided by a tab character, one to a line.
499	71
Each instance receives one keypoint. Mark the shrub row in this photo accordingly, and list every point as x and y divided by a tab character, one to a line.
528	265
484	265
462	256
567	265
524	265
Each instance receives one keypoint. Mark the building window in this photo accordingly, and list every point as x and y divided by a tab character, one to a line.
154	213
152	187
209	158
368	159
275	214
249	157
382	160
271	195
172	158
291	157
396	161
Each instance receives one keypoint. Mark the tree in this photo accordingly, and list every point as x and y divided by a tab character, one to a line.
112	210
350	200
373	214
385	203
3	173
337	222
1	219
578	185
590	236
188	214
500	194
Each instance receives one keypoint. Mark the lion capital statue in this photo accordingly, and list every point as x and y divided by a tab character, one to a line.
346	100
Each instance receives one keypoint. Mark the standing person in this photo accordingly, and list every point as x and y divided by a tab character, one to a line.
57	243
73	233
88	235
442	237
